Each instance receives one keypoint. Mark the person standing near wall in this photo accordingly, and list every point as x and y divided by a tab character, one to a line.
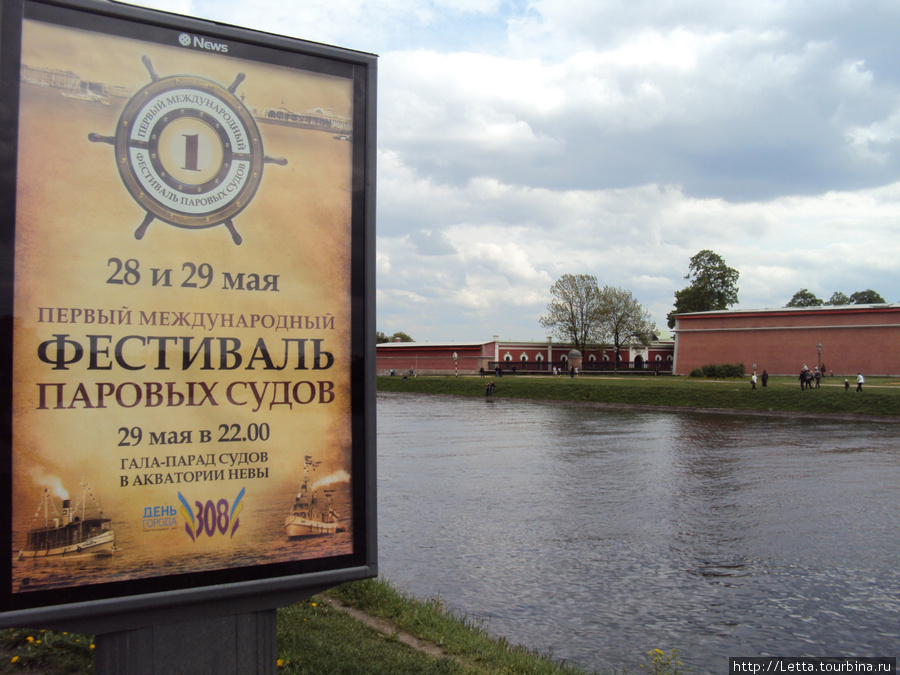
860	380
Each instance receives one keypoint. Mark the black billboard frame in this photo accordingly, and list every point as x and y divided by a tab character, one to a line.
138	603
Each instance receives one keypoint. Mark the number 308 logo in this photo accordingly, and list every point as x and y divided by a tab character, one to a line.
211	517
189	152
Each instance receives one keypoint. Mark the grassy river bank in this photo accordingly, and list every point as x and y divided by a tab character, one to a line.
880	396
322	635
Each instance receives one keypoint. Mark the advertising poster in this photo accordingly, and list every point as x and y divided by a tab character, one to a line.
183	312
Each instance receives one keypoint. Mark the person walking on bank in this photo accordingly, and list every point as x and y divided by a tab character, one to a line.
765	378
860	380
753	381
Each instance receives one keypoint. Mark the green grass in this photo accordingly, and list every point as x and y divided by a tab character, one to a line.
880	396
459	636
316	638
44	651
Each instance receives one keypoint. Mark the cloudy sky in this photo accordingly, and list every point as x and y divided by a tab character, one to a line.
523	140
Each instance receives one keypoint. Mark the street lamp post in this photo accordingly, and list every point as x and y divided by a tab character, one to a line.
455	368
819	348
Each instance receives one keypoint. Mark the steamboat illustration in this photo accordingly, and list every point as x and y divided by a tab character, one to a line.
311	513
73	531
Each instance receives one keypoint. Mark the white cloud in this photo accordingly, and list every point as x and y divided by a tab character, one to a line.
642	238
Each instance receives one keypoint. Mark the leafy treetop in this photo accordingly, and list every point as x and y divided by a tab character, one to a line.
573	314
399	336
804	298
624	320
866	297
713	286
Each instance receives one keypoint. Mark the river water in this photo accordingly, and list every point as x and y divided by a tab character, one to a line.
600	534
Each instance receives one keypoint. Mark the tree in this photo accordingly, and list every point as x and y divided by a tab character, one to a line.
573	314
805	298
624	321
400	336
867	297
713	286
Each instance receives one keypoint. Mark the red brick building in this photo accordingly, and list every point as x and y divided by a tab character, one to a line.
847	339
437	358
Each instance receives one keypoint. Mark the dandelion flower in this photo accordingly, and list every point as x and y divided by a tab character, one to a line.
30	639
314	604
14	659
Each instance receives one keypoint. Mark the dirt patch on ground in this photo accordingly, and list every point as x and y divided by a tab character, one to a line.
387	628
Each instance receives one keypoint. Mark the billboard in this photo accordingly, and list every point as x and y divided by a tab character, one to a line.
187	238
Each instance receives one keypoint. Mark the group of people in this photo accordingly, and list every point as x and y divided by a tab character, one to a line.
860	381
764	378
573	371
809	378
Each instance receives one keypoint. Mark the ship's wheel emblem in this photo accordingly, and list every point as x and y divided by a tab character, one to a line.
189	152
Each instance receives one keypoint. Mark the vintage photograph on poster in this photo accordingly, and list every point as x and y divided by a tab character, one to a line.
183	315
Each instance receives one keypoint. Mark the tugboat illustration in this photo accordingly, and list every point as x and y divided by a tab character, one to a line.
71	532
311	513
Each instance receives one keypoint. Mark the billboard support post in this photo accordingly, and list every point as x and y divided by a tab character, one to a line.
241	643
